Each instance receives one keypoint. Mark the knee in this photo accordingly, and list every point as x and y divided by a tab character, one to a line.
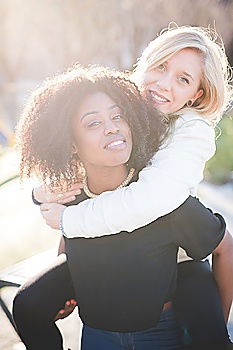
22	305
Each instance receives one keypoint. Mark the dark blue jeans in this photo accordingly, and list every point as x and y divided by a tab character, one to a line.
166	335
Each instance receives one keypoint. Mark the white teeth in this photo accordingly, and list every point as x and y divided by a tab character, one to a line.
115	143
158	98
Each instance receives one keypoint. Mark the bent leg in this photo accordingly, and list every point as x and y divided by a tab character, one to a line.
198	307
38	301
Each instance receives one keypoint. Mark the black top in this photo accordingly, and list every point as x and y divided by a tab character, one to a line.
122	280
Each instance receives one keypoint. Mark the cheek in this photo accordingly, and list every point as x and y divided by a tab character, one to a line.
182	95
148	78
130	138
87	145
129	141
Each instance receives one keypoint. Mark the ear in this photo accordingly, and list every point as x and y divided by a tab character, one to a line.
74	149
197	95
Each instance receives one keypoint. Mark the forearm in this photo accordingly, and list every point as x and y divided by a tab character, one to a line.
61	248
162	187
223	273
124	210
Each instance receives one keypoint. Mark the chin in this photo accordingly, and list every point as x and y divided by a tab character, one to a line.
118	162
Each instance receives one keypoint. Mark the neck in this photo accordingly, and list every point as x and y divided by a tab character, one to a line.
102	179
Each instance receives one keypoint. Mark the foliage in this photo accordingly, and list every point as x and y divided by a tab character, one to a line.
219	169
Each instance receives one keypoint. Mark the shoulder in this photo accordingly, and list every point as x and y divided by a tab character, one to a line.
197	229
196	132
194	122
196	216
192	116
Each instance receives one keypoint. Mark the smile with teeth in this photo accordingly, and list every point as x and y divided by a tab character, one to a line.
115	144
158	98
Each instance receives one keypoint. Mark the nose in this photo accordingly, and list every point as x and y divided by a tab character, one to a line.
111	127
164	82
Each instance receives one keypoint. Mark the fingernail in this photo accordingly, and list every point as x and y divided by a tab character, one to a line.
68	303
61	312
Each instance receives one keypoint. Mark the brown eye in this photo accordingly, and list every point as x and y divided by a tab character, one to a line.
117	117
93	124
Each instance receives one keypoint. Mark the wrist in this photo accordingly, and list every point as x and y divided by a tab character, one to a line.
61	225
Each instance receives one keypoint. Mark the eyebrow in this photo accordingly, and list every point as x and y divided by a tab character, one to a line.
96	112
185	73
188	75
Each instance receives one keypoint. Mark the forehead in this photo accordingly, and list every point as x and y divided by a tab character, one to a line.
95	101
188	60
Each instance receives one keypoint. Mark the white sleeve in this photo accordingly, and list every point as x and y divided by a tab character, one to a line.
163	186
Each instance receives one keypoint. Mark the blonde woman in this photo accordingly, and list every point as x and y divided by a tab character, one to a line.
185	72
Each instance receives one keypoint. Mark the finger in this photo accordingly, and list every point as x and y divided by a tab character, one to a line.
59	315
66	200
69	305
65	195
51	198
44	215
45	206
72	193
76	186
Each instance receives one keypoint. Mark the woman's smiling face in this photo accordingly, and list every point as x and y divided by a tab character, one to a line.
101	134
174	82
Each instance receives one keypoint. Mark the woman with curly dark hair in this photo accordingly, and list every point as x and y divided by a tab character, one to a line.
44	130
92	125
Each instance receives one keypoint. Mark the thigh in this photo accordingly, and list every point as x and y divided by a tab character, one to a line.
198	305
46	292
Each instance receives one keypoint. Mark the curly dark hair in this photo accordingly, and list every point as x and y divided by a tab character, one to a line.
44	129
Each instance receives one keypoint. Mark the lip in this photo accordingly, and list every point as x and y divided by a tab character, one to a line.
155	94
117	143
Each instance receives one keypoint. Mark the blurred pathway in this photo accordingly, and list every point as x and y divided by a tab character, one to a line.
220	199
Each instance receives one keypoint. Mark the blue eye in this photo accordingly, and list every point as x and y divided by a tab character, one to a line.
160	67
184	80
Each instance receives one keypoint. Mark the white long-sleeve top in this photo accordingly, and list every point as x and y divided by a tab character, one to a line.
175	172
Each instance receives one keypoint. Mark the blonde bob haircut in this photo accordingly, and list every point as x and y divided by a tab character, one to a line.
216	72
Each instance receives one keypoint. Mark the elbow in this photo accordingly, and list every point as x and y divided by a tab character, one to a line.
225	247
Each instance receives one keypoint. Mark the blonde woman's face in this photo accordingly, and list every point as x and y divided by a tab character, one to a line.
174	82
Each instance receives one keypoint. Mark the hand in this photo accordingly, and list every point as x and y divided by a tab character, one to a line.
68	309
52	213
43	195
